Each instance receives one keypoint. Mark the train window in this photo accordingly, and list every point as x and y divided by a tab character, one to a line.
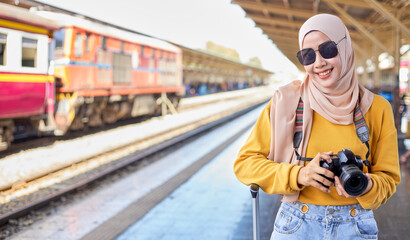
29	52
104	42
147	52
122	46
135	59
153	53
3	40
78	45
142	50
59	39
87	42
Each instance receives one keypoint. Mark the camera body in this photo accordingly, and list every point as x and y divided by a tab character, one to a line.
349	168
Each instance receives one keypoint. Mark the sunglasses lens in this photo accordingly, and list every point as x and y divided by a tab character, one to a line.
328	50
306	56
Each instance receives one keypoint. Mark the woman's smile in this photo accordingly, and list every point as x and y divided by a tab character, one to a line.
325	74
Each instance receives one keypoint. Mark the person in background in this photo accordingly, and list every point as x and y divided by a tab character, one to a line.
403	107
328	113
404	157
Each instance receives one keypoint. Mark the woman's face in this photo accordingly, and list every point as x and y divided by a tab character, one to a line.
326	72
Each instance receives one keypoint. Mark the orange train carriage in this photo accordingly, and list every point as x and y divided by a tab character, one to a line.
104	73
59	72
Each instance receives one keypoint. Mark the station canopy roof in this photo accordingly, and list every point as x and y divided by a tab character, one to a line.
372	24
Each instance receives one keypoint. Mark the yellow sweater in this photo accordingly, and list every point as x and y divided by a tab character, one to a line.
252	165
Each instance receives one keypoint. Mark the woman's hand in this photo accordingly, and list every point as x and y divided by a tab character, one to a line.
310	175
341	191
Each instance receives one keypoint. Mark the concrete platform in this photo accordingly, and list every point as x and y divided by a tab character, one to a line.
84	216
212	204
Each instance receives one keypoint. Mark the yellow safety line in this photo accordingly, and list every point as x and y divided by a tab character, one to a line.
22	26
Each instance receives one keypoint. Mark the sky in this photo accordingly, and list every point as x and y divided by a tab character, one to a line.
190	23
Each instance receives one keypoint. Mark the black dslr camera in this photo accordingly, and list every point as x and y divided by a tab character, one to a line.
349	168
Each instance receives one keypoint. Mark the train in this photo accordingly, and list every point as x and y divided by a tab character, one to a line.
60	72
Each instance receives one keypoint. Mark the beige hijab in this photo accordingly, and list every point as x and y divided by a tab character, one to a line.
336	104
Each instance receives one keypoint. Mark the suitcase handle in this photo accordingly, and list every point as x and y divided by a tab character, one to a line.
255	210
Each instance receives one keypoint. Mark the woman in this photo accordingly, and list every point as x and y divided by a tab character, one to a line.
315	204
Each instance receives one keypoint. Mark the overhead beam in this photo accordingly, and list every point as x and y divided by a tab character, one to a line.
265	12
363	4
287	6
246	4
289	48
379	8
290	52
361	29
389	25
288	45
269	29
274	30
279	41
283	38
274	21
316	4
298	24
272	8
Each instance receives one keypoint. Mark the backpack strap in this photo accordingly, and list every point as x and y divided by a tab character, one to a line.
362	130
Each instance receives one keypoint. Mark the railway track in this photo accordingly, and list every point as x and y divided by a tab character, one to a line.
58	191
23	143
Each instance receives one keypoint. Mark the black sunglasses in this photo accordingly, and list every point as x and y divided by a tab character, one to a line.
327	50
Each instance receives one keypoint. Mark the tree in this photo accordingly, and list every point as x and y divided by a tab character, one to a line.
222	51
255	62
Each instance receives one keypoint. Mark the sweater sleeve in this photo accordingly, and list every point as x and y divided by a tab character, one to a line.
385	169
253	166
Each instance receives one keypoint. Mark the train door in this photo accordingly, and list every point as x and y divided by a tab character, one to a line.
103	63
122	67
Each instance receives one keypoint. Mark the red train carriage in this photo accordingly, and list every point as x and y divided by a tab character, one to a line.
26	88
104	73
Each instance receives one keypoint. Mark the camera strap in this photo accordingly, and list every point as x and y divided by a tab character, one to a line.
362	130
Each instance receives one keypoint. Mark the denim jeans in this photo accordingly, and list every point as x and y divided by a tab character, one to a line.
307	221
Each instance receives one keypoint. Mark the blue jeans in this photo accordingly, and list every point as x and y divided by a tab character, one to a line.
307	221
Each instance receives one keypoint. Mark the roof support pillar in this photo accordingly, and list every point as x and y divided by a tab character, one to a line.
396	96
365	75
377	73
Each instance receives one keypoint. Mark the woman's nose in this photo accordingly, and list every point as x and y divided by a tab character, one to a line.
319	61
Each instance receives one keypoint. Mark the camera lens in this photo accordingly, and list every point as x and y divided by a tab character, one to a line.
353	180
